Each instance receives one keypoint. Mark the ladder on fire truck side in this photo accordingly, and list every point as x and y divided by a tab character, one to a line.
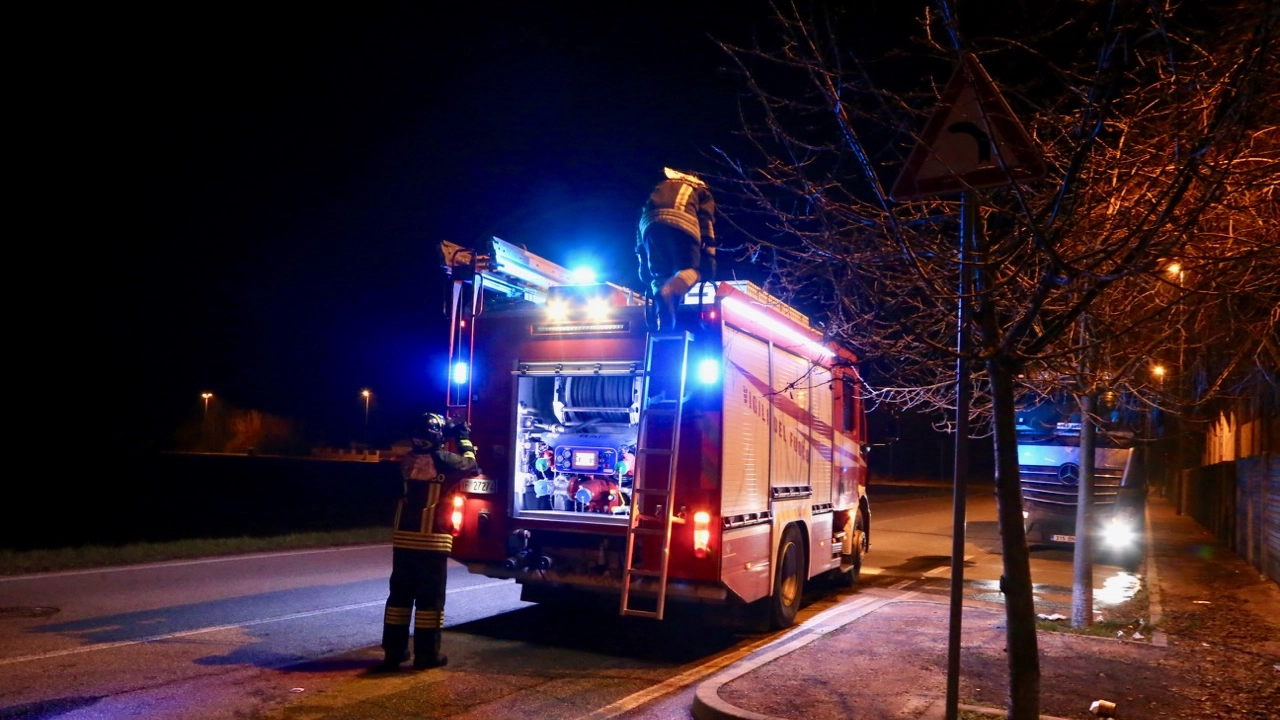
657	456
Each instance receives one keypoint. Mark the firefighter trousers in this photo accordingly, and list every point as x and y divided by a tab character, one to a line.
418	579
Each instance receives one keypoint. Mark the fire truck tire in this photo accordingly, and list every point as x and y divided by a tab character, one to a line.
856	540
788	580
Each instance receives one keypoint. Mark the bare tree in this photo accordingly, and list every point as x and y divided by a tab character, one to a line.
1158	124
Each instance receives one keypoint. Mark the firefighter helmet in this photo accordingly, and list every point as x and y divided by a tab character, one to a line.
683	177
428	432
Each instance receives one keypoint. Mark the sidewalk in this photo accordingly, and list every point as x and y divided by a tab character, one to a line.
1208	648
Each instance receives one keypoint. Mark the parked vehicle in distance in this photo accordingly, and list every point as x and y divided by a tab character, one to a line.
1049	468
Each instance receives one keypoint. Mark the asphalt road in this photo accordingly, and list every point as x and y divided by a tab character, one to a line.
100	639
295	635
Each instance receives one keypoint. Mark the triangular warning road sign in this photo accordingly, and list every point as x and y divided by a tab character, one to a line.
973	140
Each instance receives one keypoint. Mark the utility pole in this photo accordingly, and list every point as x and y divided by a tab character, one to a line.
1082	566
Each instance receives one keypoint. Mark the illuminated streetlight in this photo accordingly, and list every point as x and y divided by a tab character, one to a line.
366	394
206	396
1158	371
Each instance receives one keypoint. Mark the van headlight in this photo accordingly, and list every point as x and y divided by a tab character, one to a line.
1119	532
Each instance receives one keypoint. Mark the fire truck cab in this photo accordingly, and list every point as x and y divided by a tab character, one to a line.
721	463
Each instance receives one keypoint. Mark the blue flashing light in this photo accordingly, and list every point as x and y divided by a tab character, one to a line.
708	371
459	373
583	275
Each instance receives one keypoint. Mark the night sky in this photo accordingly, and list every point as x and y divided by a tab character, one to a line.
245	200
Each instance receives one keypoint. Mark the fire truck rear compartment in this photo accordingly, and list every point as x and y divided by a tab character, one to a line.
576	437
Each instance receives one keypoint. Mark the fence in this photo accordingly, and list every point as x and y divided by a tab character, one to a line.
1239	502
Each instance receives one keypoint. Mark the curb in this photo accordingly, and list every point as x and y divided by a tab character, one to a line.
1155	610
707	703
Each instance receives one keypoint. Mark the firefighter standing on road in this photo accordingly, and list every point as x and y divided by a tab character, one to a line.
676	241
422	541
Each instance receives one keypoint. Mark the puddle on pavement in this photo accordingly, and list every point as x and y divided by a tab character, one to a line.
1117	588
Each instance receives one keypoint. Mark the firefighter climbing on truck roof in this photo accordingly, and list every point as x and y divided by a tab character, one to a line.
676	241
422	541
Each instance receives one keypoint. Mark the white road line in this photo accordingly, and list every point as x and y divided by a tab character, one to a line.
219	628
480	586
181	563
947	568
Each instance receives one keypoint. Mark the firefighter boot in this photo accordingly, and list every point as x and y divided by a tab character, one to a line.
426	649
395	638
666	307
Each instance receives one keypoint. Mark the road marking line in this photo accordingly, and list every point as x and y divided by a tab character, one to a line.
218	628
480	586
947	568
179	563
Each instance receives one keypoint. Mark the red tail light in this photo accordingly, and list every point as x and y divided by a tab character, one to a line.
455	518
701	533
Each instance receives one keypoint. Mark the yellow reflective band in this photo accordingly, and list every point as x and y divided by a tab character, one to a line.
396	616
435	542
429	619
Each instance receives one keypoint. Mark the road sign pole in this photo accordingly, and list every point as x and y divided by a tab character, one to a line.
964	391
972	140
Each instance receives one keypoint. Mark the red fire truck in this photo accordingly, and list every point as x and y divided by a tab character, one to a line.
722	463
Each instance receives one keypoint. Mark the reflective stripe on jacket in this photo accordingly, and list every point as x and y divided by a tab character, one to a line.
682	205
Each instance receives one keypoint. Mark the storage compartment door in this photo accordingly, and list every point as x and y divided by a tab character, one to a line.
745	478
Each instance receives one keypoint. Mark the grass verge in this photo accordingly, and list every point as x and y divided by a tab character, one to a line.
1122	620
23	562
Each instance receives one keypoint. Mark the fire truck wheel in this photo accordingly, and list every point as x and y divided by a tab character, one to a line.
788	580
855	534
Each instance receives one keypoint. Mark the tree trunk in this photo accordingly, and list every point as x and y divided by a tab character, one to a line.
1019	605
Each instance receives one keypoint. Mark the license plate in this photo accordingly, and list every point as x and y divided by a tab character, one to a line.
1063	538
477	486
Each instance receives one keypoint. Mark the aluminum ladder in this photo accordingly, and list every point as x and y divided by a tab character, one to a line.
657	457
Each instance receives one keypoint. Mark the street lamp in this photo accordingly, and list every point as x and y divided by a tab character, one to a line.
1158	371
366	394
206	396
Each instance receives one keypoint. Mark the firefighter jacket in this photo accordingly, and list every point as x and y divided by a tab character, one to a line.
675	205
422	516
684	205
